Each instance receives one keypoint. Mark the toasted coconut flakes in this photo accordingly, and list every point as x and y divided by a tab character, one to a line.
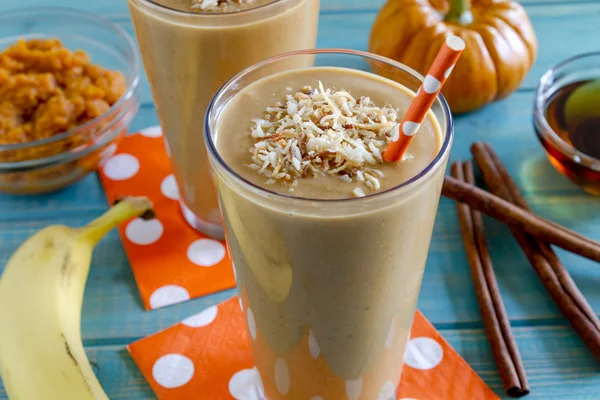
374	181
296	163
376	172
264	167
395	132
375	151
322	131
360	176
214	5
273	159
358	192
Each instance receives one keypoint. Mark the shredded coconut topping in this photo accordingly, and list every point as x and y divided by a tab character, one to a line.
320	131
216	4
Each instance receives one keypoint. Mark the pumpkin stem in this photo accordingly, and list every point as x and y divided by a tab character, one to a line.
460	12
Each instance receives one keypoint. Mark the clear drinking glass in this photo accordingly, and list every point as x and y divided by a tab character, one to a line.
581	168
329	287
188	56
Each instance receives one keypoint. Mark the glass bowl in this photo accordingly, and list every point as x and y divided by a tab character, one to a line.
579	167
50	164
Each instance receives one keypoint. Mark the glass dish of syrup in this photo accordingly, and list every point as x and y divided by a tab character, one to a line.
567	119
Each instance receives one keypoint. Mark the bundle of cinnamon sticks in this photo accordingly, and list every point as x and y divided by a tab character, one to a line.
534	235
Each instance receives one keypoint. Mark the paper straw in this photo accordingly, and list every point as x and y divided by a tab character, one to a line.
436	77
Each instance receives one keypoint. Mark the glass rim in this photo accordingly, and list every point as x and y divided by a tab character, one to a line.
162	7
570	151
107	23
432	166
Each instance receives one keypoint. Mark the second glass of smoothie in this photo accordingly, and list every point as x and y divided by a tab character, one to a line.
329	241
190	48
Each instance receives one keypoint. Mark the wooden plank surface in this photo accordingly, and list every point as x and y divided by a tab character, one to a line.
350	27
550	194
112	308
118	8
568	372
558	364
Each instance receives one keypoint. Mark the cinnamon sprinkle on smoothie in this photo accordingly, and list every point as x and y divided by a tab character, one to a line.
322	131
220	5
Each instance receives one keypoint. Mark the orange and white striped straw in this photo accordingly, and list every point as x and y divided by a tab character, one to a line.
436	77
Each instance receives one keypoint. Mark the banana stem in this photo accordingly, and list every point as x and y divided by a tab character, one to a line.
460	12
127	208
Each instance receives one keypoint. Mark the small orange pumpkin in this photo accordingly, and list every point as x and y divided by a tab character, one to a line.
501	44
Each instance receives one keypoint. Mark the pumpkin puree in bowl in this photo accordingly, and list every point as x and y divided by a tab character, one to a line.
47	89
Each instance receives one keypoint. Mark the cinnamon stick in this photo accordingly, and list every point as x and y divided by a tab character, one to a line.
523	220
543	259
491	306
515	193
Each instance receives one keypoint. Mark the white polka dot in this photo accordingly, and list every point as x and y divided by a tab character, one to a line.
410	128
259	384
201	319
107	152
313	346
121	167
206	252
395	132
190	194
234	271
144	232
455	43
317	398
168	295
423	353
241	303
167	148
387	392
353	389
431	84
251	323
448	72
173	370
282	377
389	339
168	187
246	385
151	132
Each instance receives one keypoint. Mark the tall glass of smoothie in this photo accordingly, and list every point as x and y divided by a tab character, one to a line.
329	241
190	48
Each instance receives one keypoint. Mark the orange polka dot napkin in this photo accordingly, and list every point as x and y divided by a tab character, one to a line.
207	356
171	262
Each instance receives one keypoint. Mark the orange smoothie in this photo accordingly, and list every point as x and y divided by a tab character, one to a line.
329	242
191	48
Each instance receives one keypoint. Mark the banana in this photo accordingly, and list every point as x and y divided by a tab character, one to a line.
41	294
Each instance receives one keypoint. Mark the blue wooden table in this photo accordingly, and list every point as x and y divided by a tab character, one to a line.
558	364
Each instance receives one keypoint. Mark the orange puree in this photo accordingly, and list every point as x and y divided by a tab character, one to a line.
46	89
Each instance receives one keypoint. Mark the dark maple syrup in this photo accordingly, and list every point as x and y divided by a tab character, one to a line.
581	133
585	134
